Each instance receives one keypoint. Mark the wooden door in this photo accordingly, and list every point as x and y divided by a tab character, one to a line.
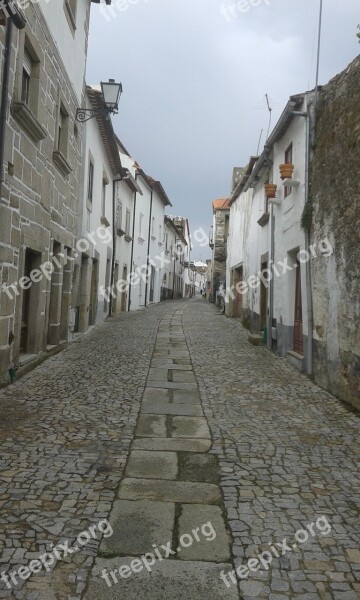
298	324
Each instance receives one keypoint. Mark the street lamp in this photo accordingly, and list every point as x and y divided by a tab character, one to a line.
111	92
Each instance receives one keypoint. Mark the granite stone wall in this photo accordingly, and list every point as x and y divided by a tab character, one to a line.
335	195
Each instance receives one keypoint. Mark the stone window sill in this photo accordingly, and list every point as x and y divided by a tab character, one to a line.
120	232
128	238
28	121
264	219
104	221
69	15
61	162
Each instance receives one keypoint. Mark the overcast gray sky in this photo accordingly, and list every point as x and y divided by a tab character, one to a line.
195	74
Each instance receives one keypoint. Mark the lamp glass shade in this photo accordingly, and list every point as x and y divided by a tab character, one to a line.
111	93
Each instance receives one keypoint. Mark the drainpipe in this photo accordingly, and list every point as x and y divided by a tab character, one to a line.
310	319
5	97
132	245
272	257
114	234
173	290
148	250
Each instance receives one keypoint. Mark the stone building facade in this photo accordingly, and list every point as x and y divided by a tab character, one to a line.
335	195
42	178
218	244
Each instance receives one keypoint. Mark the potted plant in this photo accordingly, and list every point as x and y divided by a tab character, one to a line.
270	190
286	170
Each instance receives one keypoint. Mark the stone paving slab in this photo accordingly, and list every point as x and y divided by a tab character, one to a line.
159	364
158	375
172	444
208	522
169	491
137	525
173	409
169	579
154	465
198	467
193	427
169	385
186	396
156	395
171	354
151	426
179	377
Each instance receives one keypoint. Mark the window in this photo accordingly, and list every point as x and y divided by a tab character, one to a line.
141	217
62	138
160	240
70	11
103	198
119	217
226	231
26	76
153	227
288	159
166	241
25	103
90	183
127	223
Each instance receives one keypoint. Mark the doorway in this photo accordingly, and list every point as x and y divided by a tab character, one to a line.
30	306
298	318
152	284
263	299
124	293
238	277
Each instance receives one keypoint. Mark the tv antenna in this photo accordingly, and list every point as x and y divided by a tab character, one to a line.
270	114
257	151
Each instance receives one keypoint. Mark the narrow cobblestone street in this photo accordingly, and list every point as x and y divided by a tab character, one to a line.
200	450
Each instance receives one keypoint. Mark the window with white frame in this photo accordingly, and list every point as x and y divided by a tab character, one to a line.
141	224
90	187
127	223
70	7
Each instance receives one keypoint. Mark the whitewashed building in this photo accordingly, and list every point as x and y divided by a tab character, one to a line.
267	270
95	246
176	247
127	191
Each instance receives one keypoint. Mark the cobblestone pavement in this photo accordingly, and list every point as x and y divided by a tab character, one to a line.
78	446
65	433
289	453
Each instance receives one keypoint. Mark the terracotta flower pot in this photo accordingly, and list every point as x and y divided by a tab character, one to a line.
286	170
270	190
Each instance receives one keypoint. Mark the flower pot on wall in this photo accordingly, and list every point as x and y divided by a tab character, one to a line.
270	190
286	170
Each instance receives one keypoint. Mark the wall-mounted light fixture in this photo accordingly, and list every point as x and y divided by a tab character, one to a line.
111	92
